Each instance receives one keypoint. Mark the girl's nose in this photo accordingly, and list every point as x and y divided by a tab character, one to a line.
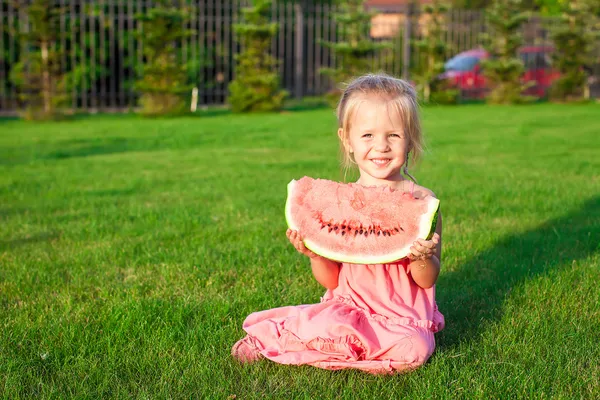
382	144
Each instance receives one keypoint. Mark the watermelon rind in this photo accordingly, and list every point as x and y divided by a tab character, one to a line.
426	231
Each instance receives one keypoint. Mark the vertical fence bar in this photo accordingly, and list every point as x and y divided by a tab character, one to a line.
102	36
227	51
310	51
3	68
130	53
185	41
287	54
121	52
299	77
139	65
92	34
459	27
219	52
112	56
274	38
83	57
11	53
318	47
334	38
406	43
281	42
210	46
193	44
73	48
22	23
202	49
63	37
326	57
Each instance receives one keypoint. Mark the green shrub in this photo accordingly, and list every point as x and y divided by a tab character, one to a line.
163	84
431	54
503	70
38	77
356	51
256	86
573	41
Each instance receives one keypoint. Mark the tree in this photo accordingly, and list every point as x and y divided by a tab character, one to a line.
503	70
356	50
256	86
573	41
38	76
164	78
432	49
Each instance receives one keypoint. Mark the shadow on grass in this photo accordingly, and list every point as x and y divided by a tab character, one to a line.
40	237
80	148
101	147
476	292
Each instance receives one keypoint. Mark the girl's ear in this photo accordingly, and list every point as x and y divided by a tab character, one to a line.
344	141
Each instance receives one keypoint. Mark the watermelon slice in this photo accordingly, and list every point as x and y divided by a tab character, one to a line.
357	224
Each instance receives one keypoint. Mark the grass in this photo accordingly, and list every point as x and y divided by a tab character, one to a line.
132	250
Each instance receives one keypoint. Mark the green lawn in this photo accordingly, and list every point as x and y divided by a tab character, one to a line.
132	250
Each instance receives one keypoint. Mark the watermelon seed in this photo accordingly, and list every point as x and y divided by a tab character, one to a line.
335	228
343	233
378	233
361	231
355	233
330	229
365	233
396	229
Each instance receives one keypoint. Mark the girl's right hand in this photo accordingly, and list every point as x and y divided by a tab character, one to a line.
296	240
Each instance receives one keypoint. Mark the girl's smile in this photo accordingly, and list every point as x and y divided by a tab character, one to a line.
380	162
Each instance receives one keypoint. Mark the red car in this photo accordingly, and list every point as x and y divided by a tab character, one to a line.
463	71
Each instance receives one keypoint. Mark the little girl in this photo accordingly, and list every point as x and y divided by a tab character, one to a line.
377	318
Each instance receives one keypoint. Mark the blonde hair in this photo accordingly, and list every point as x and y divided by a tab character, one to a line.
402	97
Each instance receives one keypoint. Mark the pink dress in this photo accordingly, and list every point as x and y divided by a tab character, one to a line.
377	320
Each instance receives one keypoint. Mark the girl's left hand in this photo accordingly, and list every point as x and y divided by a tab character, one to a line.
424	249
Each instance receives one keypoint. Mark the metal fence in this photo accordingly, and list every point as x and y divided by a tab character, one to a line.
101	48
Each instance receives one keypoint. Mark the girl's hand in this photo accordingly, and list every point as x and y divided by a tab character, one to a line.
296	240
424	249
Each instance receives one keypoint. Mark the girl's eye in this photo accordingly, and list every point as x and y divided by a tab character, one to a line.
367	135
395	135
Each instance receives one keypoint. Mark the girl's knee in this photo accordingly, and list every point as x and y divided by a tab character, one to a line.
423	346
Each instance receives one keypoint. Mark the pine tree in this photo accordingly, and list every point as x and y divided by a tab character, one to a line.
256	86
573	40
431	54
38	76
503	70
356	50
163	84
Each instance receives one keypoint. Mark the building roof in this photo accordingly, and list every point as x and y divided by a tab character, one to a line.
392	5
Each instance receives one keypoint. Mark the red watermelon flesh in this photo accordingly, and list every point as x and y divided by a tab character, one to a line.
357	224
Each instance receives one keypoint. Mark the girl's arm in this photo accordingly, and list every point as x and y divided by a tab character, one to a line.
425	271
326	272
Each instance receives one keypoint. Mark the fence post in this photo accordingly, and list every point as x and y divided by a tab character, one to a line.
299	51
406	41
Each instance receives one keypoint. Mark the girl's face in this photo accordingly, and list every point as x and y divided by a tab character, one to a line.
377	141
